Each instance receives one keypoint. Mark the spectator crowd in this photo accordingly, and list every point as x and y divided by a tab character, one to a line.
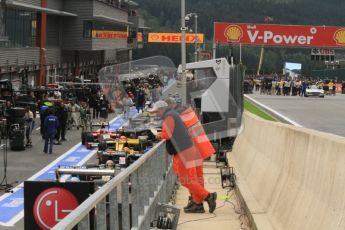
289	87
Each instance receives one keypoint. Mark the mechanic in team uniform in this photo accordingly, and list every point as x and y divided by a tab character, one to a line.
127	103
94	104
51	124
29	119
43	113
74	110
104	106
62	115
84	111
140	99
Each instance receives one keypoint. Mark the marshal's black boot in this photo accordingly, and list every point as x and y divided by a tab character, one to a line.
211	201
190	202
195	208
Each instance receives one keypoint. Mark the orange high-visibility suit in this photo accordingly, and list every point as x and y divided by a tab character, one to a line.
187	175
199	137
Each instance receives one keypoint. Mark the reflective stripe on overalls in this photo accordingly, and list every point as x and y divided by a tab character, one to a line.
197	133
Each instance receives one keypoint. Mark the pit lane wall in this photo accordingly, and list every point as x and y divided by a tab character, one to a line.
289	177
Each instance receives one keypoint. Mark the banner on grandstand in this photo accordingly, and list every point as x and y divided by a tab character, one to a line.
108	34
279	35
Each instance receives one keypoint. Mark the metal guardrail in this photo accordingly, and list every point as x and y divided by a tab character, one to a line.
128	201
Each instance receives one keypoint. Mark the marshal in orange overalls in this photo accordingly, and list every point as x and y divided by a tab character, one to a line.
187	175
199	137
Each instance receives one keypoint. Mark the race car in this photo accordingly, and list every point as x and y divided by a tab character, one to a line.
91	138
315	91
105	139
121	143
123	151
120	158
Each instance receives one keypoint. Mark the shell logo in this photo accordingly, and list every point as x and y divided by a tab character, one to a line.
154	37
233	33
339	36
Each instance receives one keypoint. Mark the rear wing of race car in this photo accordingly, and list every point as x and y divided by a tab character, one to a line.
100	124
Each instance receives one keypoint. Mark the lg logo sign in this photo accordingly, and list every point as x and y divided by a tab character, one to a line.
52	205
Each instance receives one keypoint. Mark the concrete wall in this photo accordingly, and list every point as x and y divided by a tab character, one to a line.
110	55
54	31
53	55
55	4
32	2
108	44
19	56
290	178
73	27
100	8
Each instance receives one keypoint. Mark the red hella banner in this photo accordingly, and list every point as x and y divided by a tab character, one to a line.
279	35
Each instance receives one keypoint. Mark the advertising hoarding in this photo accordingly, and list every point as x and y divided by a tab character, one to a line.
47	203
279	35
108	34
174	38
140	37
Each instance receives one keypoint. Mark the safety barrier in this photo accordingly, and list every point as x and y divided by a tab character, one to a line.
290	177
128	201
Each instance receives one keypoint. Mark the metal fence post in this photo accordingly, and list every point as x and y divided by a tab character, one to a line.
85	223
156	168
152	176
101	215
113	210
146	181
125	217
142	185
135	190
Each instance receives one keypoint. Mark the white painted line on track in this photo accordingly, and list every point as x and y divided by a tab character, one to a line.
274	111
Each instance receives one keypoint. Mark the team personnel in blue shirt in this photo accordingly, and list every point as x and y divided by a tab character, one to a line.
43	115
51	124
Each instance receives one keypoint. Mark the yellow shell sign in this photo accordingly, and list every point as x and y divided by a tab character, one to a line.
233	33
339	37
175	38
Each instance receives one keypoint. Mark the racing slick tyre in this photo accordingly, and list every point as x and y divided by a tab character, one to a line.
89	137
17	140
142	145
102	146
83	137
16	112
17	120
